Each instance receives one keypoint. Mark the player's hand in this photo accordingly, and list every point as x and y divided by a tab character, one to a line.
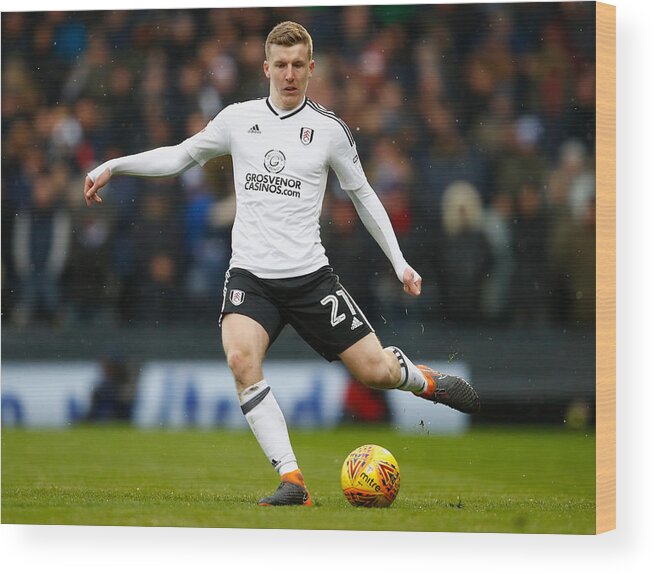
91	188
412	282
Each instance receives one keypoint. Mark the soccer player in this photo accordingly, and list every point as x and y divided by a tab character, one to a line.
282	147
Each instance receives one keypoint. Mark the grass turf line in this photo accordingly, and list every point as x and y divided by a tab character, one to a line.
487	480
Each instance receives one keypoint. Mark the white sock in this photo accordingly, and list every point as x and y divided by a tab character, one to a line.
411	378
268	425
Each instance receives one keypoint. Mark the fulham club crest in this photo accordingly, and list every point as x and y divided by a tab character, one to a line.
306	135
237	296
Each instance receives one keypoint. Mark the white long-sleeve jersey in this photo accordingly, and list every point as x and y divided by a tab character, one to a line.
281	163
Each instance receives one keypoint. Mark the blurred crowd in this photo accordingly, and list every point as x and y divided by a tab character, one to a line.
475	124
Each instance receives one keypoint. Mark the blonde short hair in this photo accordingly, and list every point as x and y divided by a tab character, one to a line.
289	34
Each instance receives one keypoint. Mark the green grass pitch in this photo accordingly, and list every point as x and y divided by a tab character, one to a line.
487	480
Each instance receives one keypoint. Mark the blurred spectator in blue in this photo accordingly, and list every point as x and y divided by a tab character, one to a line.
69	38
465	254
40	244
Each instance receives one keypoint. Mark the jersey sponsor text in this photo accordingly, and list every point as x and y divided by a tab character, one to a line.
273	184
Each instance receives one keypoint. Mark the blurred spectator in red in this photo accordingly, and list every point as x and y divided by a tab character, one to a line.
365	405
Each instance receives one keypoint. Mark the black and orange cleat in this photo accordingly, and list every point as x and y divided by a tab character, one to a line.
449	390
291	492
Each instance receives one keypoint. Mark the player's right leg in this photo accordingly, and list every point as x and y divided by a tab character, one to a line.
245	343
390	368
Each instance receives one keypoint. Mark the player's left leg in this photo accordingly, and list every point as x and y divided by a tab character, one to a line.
245	342
390	368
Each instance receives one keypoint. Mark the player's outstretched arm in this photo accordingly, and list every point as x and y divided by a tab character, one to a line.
160	162
376	220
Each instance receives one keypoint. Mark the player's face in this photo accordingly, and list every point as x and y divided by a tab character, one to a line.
288	68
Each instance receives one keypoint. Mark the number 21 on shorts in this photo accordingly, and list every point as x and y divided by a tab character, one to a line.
332	300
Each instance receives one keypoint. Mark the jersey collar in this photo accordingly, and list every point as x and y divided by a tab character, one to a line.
291	113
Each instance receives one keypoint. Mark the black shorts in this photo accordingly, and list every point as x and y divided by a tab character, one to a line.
315	305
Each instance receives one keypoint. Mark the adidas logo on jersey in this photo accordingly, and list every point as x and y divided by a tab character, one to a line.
254	129
356	323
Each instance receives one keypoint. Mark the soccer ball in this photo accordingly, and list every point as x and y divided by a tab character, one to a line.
370	476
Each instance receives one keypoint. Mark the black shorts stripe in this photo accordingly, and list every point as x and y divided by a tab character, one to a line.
321	110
